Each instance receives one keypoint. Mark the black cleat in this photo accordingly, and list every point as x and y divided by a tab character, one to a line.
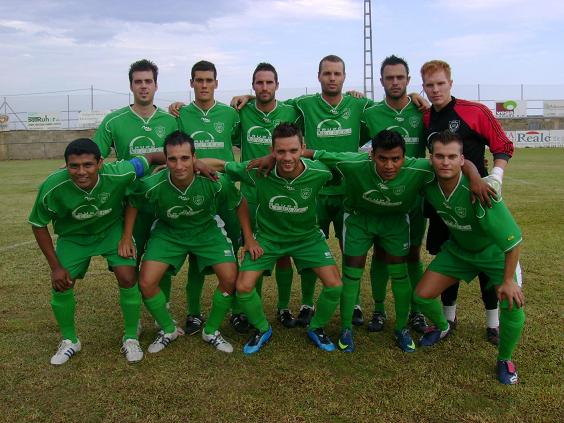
376	324
286	318
240	323
357	317
194	324
417	322
305	316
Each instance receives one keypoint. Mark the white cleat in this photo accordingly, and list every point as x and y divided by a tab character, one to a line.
162	341
217	341
132	351
65	351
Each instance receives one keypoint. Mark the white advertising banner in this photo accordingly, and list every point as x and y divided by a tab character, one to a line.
553	108
537	138
510	109
42	121
91	119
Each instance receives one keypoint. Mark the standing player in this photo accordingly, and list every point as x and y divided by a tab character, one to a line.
185	204
398	113
138	129
287	226
214	127
478	128
481	240
84	202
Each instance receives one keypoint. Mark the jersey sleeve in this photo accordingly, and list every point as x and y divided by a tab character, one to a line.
141	165
498	222
228	194
239	172
103	138
331	160
236	129
425	167
40	215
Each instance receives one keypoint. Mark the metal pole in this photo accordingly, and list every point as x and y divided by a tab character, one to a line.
521	91
91	98
68	111
478	92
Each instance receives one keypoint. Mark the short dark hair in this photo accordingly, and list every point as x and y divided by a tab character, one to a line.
203	66
178	138
388	140
265	67
82	146
393	60
287	130
331	58
444	137
143	65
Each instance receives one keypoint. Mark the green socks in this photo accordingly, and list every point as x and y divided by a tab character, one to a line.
326	305
130	303
309	278
349	294
165	285
194	287
401	288
433	310
221	303
252	307
258	286
415	272
63	305
284	278
511	324
157	307
379	281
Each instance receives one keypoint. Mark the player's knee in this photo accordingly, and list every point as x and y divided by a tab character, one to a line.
243	287
126	276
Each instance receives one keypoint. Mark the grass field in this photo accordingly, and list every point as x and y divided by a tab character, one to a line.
289	381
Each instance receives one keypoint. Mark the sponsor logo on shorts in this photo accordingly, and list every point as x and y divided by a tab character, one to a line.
284	204
453	125
219	127
180	211
376	197
143	145
259	135
451	222
89	211
205	140
332	128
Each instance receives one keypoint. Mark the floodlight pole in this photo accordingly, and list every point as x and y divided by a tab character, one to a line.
368	69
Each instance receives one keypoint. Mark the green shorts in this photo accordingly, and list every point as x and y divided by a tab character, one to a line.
169	246
307	253
75	256
465	265
330	209
230	222
417	224
391	232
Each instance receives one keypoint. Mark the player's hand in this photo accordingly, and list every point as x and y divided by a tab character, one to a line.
204	170
158	169
60	279
420	102
356	94
174	108
254	249
482	191
239	101
126	248
512	292
264	164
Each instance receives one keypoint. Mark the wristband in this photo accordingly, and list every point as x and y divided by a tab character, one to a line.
497	173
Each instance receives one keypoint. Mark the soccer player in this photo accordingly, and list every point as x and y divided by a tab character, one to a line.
397	112
84	201
138	129
185	205
478	128
287	226
214	127
481	239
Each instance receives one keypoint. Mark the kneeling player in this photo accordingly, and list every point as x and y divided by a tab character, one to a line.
185	204
85	203
481	240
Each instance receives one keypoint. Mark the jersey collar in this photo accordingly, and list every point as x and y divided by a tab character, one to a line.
205	113
178	189
291	181
333	109
398	112
447	199
145	121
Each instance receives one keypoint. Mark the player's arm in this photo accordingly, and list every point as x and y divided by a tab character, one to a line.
479	188
210	164
509	290
60	277
420	102
251	245
126	246
239	101
174	108
104	139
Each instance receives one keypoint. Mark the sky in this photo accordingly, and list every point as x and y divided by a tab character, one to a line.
64	45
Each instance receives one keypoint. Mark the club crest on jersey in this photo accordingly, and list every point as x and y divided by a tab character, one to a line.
346	113
399	190
460	211
453	125
103	197
198	200
160	131
219	127
414	121
305	193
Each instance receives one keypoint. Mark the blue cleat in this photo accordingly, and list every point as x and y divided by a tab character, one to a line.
404	340
507	372
257	341
321	340
433	335
346	343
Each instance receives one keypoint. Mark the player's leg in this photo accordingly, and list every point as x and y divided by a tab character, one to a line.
415	269
284	275
194	287
489	297
379	283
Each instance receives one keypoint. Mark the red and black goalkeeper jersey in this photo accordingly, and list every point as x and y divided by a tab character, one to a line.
477	126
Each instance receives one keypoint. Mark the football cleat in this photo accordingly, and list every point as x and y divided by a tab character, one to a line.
507	372
163	340
357	317
417	322
240	323
257	341
492	335
376	324
433	335
217	341
404	340
65	351
320	339
194	324
286	318
305	316
132	351
346	342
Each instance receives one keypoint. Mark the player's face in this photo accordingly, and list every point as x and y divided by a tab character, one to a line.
265	86
447	160
395	80
288	152
143	87
388	162
180	162
437	87
331	77
83	170
204	85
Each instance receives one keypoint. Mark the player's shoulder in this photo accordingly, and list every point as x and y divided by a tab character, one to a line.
315	166
117	168
55	179
469	105
307	99
116	114
164	114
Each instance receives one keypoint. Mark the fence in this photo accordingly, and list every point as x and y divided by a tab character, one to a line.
67	105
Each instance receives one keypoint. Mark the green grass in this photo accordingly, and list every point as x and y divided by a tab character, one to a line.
289	381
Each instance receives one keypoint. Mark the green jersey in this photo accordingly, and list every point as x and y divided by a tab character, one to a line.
472	226
332	128
407	121
82	214
130	134
366	192
190	211
213	130
287	208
